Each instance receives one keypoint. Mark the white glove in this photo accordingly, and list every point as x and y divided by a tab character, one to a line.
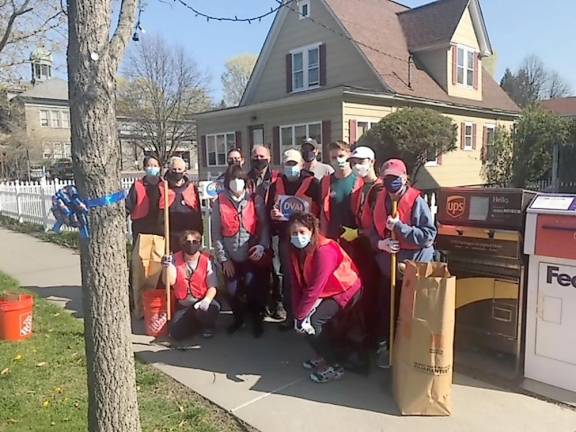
391	222
389	245
256	252
203	305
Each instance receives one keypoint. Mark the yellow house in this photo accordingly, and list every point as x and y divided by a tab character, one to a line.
331	69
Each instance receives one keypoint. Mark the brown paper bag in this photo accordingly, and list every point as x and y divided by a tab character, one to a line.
423	347
146	268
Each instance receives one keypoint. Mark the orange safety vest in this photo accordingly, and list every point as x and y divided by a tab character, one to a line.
405	207
364	214
344	277
142	206
325	211
196	285
230	218
190	196
300	193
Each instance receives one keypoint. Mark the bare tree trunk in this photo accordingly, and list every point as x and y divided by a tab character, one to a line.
92	63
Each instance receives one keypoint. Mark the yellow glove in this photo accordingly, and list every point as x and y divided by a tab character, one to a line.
349	234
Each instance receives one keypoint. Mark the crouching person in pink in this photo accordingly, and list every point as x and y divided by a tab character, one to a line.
194	282
326	286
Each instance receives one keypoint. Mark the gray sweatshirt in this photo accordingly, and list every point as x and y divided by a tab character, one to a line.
237	248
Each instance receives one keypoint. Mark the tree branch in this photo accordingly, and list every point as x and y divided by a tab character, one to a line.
125	26
24	9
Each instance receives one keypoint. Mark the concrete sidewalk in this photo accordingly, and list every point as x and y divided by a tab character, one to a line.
262	382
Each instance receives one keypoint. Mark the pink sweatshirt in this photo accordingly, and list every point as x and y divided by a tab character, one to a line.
304	297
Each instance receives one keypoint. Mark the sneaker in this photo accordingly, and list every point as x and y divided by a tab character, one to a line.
313	364
327	374
208	333
279	313
383	361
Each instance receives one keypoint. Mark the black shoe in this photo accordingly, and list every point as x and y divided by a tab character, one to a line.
279	313
235	326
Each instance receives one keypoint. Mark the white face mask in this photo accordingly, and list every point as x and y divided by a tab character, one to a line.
361	170
237	185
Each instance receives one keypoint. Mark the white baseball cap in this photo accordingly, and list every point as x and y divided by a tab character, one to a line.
292	155
363	153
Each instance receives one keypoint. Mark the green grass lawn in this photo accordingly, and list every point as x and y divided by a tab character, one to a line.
43	383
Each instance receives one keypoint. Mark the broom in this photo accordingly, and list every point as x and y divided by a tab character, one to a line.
393	262
167	249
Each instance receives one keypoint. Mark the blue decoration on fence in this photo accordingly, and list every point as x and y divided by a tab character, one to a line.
70	210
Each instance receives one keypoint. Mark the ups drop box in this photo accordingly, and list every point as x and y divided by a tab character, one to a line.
480	231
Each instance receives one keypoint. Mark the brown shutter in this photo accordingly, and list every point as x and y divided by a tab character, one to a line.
326	139
352	125
322	57
484	143
276	145
476	71
474	136
454	65
288	73
203	151
239	140
462	135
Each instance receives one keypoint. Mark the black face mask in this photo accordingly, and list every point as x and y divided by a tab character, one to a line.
190	248
232	163
259	164
174	176
308	155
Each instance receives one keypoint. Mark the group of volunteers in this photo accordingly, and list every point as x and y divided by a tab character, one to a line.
323	270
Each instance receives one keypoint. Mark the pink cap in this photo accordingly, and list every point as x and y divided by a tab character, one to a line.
393	167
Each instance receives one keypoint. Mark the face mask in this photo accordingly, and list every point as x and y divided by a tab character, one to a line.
232	163
309	156
152	171
259	164
361	170
237	185
340	163
190	248
292	172
394	185
300	241
175	176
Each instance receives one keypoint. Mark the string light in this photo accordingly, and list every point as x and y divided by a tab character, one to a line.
273	10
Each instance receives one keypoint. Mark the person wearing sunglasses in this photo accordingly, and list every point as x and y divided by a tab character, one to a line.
191	274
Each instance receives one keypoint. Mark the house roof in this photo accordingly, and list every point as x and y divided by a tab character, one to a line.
55	88
431	24
378	33
562	106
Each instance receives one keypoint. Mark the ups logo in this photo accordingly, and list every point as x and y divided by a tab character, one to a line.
456	205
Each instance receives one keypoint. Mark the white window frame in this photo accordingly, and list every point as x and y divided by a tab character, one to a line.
65	120
467	147
47	118
55	119
215	147
305	51
301	5
371	123
294	144
492	127
466	66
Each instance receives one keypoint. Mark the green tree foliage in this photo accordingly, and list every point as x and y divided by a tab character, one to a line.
415	135
498	158
525	155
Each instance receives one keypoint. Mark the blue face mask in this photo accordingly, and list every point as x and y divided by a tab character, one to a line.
394	184
152	171
300	241
292	171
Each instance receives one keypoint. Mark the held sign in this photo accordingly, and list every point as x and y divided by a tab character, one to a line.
289	205
210	189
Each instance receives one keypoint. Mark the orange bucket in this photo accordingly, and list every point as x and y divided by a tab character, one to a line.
155	316
16	316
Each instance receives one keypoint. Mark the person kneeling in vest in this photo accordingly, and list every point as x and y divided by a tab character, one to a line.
194	282
414	231
240	234
326	285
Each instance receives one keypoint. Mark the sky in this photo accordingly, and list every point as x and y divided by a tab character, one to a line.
517	28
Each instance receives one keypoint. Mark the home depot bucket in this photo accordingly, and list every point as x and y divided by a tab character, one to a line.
155	316
16	316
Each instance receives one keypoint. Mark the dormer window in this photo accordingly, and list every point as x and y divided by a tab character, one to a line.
466	67
303	9
306	68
